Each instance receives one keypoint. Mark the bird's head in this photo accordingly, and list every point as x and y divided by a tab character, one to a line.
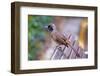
51	27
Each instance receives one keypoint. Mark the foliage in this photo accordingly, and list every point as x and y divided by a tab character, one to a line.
36	34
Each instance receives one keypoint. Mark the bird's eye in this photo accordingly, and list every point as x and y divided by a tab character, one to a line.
50	28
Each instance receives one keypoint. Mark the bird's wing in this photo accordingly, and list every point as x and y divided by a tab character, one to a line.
61	38
65	39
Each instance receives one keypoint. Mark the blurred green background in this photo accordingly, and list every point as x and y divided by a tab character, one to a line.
36	34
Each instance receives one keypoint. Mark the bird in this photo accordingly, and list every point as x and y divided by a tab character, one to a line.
58	37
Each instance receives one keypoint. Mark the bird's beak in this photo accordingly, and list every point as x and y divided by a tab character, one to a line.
46	28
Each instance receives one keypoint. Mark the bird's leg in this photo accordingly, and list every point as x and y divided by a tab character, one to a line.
54	51
60	49
63	51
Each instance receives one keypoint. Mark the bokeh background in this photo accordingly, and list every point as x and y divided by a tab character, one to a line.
36	35
39	41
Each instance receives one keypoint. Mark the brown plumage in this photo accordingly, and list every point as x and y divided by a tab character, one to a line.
59	38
